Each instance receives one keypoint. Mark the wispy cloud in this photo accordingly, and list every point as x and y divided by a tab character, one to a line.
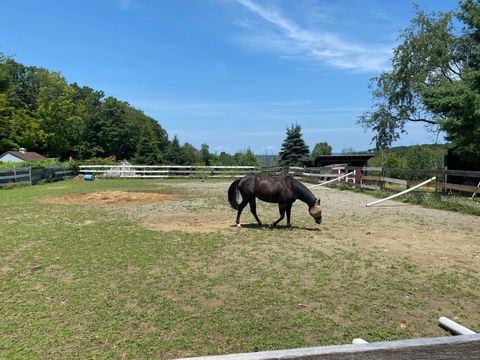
292	40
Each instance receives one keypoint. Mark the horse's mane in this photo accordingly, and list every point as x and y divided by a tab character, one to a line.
303	193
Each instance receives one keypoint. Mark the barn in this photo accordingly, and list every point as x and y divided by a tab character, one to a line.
455	161
357	160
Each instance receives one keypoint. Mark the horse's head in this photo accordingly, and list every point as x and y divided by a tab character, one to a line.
316	212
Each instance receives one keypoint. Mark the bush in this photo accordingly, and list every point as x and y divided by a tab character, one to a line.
45	163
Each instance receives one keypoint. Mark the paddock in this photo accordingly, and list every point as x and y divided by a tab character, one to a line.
174	278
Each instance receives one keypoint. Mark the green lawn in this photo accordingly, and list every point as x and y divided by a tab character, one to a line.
91	282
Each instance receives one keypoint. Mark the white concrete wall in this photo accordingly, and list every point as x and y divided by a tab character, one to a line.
10	158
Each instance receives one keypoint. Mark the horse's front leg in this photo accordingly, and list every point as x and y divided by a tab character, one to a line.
253	209
289	211
282	208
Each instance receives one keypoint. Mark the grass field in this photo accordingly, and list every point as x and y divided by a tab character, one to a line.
171	278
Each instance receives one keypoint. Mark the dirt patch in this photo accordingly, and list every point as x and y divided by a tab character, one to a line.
110	198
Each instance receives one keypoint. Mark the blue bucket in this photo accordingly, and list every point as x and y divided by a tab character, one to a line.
89	177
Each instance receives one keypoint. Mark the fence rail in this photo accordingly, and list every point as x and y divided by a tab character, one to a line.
466	347
375	177
33	175
174	171
463	173
366	177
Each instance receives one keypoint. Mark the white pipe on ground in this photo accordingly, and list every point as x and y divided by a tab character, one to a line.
402	192
330	181
454	327
359	341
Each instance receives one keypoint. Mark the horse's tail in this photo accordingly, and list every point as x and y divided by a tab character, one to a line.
232	194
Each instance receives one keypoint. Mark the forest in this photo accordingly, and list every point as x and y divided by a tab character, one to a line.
42	112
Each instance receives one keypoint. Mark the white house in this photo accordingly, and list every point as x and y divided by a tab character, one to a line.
22	155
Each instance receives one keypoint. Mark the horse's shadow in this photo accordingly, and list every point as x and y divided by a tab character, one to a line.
255	226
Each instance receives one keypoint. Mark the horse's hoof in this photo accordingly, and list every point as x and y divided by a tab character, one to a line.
238	225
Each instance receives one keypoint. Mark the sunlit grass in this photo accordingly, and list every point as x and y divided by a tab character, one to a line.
83	281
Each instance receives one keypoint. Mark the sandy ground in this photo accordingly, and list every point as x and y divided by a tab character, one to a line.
435	236
110	198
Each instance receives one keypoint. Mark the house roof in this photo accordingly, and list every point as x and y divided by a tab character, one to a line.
26	156
354	160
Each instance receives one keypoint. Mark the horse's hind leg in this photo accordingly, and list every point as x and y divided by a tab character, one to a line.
253	209
241	206
281	208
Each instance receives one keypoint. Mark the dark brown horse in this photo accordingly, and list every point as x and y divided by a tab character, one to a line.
283	190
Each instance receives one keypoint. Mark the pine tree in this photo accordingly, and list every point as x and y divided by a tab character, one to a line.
294	151
175	153
248	158
147	151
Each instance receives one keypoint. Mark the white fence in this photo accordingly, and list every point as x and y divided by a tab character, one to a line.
173	171
317	173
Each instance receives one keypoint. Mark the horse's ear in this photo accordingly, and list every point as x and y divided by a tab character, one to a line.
318	202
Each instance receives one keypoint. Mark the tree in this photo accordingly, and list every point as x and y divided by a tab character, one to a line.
205	154
59	114
41	111
390	160
248	158
321	148
226	159
175	154
147	150
434	80
459	101
7	140
418	157
110	132
294	151
191	153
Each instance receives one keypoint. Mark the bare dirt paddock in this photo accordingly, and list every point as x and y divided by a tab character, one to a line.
380	273
435	236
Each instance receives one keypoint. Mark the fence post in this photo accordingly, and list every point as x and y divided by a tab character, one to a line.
362	174
14	174
30	174
445	180
382	175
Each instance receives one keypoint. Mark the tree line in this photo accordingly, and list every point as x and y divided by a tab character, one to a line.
41	111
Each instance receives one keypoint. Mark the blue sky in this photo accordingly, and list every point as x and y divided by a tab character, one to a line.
230	73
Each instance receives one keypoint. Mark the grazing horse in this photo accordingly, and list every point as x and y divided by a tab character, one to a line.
283	190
